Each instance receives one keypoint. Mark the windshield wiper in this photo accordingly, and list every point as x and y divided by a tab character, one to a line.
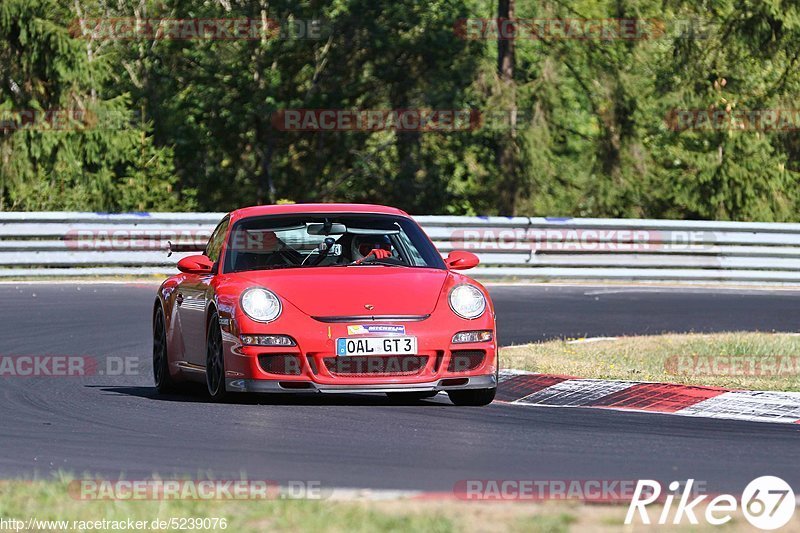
379	262
267	267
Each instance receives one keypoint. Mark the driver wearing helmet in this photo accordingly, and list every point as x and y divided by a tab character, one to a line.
363	247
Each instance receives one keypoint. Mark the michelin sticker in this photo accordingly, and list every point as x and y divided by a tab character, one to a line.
375	328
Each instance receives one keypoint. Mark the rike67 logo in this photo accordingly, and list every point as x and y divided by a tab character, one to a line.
768	503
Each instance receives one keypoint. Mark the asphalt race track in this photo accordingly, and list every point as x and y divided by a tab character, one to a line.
545	312
110	425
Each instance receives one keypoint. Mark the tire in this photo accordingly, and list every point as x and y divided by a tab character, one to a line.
163	380
403	397
474	397
215	361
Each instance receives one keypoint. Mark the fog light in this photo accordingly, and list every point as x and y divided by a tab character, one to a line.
472	336
267	340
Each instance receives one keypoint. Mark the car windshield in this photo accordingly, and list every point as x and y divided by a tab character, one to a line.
328	240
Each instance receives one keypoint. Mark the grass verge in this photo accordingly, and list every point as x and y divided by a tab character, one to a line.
50	501
755	361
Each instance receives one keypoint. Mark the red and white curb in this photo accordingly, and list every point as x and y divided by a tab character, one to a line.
527	388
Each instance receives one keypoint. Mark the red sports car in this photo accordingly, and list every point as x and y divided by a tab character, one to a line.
326	298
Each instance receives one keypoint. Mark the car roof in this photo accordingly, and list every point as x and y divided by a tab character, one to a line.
291	209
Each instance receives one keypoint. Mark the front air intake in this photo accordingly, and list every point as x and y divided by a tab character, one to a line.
281	364
465	360
367	365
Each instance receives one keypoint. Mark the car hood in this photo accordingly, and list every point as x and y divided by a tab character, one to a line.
346	291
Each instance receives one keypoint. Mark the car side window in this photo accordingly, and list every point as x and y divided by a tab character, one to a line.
214	246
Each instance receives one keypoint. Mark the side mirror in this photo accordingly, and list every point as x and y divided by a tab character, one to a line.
461	260
195	264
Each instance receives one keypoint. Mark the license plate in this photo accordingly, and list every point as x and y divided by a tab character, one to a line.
376	346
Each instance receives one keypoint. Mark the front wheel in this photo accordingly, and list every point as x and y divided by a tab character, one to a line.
474	397
215	361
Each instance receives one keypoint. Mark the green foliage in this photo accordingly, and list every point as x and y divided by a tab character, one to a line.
81	148
191	119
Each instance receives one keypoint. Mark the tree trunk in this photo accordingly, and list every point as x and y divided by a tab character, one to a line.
506	149
505	47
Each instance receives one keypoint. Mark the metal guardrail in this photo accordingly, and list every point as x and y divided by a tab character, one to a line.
96	244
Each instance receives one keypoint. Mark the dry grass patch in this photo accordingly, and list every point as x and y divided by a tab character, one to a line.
755	361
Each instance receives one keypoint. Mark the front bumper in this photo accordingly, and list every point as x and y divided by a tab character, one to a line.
259	386
320	370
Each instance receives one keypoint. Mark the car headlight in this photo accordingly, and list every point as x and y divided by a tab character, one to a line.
467	301
261	305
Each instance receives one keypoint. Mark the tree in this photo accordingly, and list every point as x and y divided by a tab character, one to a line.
64	144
